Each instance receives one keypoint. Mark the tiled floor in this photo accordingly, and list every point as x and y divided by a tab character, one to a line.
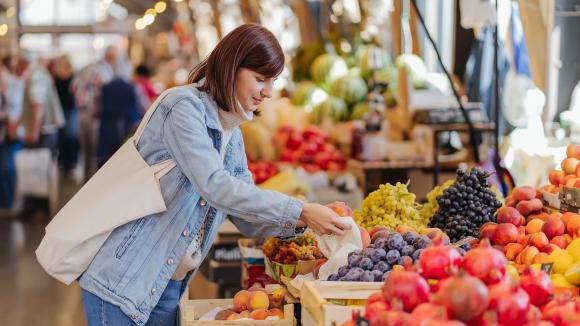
28	296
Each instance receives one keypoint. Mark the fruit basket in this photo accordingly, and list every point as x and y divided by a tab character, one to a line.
325	303
276	270
191	310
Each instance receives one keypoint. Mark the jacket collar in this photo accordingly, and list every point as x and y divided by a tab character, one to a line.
211	109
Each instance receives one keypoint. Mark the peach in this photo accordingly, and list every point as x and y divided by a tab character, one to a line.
550	248
577	172
524	193
365	237
541	216
560	241
234	317
259	314
566	217
510	201
522	230
437	235
277	312
377	229
487	231
553	228
556	177
573	225
550	188
505	233
259	300
242	300
512	250
402	229
526	207
509	215
541	258
341	209
524	240
573	183
569	165
245	314
538	240
527	255
573	151
534	226
567	178
555	215
224	314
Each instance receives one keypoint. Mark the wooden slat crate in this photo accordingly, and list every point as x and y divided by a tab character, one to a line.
191	310
332	303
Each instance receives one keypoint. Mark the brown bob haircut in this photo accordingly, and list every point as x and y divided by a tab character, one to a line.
248	46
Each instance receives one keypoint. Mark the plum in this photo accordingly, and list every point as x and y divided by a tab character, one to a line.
393	256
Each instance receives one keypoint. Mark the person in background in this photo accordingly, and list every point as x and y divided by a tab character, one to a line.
145	91
118	112
68	135
87	91
11	90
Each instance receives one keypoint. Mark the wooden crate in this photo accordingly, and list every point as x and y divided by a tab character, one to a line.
191	310
327	303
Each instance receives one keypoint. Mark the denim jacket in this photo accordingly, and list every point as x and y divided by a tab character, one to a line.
134	265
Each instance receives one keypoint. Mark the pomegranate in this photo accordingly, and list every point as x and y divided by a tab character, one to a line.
439	261
561	298
465	296
510	302
538	285
391	318
486	263
488	318
428	311
407	287
559	308
377	296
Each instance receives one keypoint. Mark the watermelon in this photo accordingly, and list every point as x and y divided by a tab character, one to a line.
334	109
359	111
307	93
326	69
372	58
416	69
352	89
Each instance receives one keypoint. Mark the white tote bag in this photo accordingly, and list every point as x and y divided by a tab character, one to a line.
126	188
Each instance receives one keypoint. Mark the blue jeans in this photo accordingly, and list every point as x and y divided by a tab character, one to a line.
8	173
99	312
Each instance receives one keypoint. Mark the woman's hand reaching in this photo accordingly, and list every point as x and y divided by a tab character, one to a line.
322	220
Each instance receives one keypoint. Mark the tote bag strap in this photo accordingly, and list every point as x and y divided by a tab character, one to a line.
161	168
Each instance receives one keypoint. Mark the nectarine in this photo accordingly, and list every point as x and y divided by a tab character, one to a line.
569	165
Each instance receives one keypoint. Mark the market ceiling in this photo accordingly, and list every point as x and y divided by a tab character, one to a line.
163	21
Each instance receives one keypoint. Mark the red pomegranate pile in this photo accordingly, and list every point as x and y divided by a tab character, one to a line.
444	289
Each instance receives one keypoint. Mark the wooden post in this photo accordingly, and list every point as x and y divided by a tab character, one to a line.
308	30
250	11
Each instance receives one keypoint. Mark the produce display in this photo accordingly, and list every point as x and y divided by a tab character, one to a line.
431	206
255	304
309	148
473	290
569	176
466	205
290	251
390	206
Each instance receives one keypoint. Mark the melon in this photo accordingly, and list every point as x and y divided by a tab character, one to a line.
359	111
307	93
326	69
387	75
352	89
372	58
333	109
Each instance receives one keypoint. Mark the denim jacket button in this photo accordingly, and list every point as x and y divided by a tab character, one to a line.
134	317
153	291
185	233
202	203
169	261
288	224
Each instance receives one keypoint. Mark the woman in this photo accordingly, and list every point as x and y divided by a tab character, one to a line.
140	272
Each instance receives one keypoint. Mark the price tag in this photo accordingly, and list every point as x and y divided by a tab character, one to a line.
547	267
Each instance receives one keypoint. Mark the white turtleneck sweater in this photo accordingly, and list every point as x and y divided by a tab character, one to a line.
229	122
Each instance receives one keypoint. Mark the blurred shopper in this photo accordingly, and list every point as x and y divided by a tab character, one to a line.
140	272
145	91
42	114
87	90
119	113
11	90
68	135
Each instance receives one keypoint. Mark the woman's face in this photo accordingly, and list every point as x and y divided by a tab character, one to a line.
252	88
